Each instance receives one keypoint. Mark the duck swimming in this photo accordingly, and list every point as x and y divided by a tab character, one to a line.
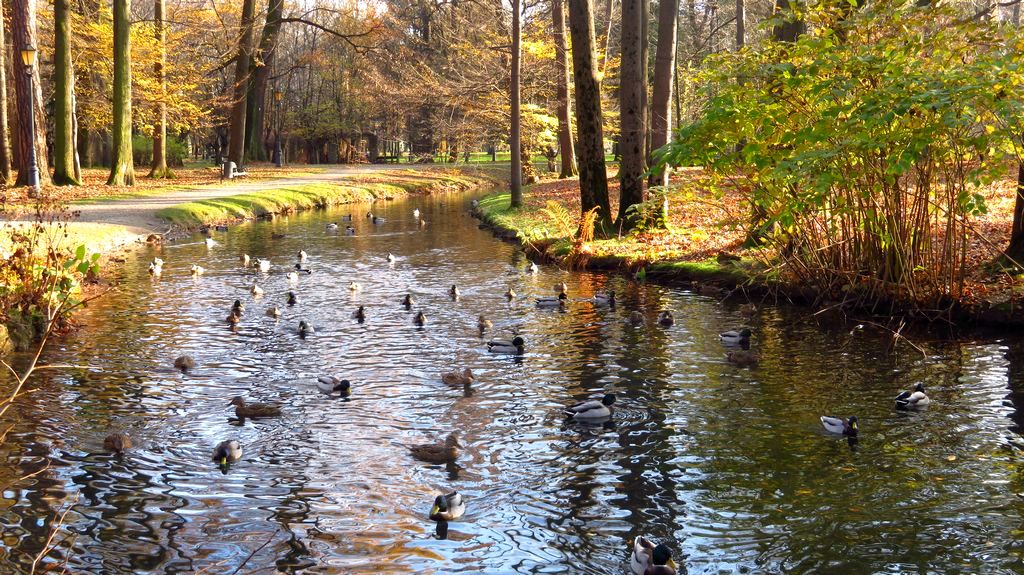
420	319
293	278
227	451
197	270
592	408
184	363
407	301
454	292
735	337
448	507
350	231
651	559
604	298
532	268
391	258
303	255
292	298
446	451
510	294
331	227
245	260
547	301
155	270
839	426
274	312
743	358
253	410
360	314
915	399
666	319
483	324
300	269
305	329
117	442
256	290
378	220
515	346
330	384
457	378
263	265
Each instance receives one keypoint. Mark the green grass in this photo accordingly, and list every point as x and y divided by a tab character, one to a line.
529	224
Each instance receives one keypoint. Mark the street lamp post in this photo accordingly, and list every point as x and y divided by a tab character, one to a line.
28	57
277	137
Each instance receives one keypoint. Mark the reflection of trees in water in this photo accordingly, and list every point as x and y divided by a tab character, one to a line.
1015	382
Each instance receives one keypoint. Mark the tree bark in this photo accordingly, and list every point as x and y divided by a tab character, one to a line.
23	31
741	25
515	140
158	168
645	76
1016	248
236	138
609	11
792	25
261	66
63	98
5	144
562	93
664	70
590	128
122	170
632	132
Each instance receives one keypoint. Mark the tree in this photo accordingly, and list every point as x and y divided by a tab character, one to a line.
159	168
122	171
236	134
791	25
262	63
590	129
562	92
63	98
5	144
29	92
664	70
632	137
515	139
741	24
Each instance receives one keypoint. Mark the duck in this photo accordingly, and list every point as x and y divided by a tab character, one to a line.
604	298
274	312
210	243
421	222
243	409
446	451
416	213
483	324
184	363
650	559
510	294
330	384
234	318
532	268
360	314
332	227
369	215
592	408
839	426
743	358
548	301
117	442
245	260
454	292
277	236
447	507
197	270
378	220
155	270
514	346
407	301
346	218
748	309
475	203
303	255
420	319
354	286
457	378
263	265
158	262
292	298
304	328
560	288
915	399
735	336
237	307
391	258
635	318
293	277
666	319
350	231
300	269
256	290
227	451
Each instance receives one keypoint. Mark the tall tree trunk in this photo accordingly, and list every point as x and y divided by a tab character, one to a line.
5	144
236	138
158	168
632	133
609	12
29	93
263	62
63	98
741	25
122	170
792	25
645	77
1016	248
664	70
515	140
590	128
562	93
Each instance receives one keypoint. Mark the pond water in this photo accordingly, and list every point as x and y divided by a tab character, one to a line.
727	465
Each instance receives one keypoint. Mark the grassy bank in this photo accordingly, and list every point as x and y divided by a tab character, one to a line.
276	200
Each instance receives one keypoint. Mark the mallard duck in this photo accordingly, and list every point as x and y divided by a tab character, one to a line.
330	384
839	426
407	301
302	270
515	346
446	451
666	319
456	378
117	442
483	324
274	312
915	399
256	290
304	328
184	363
197	270
391	258
532	268
474	203
369	215
560	288
448	507
350	231
734	336
454	292
360	314
277	236
234	318
651	559
635	318
155	270
263	265
420	319
604	298
332	227
292	298
592	408
237	307
227	451
378	220
510	294
346	218
355	286
743	357
303	255
210	243
245	260
549	301
416	213
710	290
293	278
748	309
243	409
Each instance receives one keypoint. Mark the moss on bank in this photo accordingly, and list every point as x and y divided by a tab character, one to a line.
285	199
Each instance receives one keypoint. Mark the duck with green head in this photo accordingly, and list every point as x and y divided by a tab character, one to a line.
227	451
514	346
650	559
840	426
448	507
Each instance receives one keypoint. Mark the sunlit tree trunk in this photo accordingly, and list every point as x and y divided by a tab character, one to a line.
664	68
515	140
23	32
5	143
631	114
562	93
262	65
63	98
609	14
122	171
741	25
589	123
159	166
236	137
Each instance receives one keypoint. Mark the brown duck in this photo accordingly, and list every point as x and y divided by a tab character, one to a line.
446	451
458	378
243	409
117	442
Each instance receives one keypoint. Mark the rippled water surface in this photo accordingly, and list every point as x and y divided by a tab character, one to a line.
727	465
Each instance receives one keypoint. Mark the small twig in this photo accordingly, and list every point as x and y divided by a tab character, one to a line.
254	552
53	533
